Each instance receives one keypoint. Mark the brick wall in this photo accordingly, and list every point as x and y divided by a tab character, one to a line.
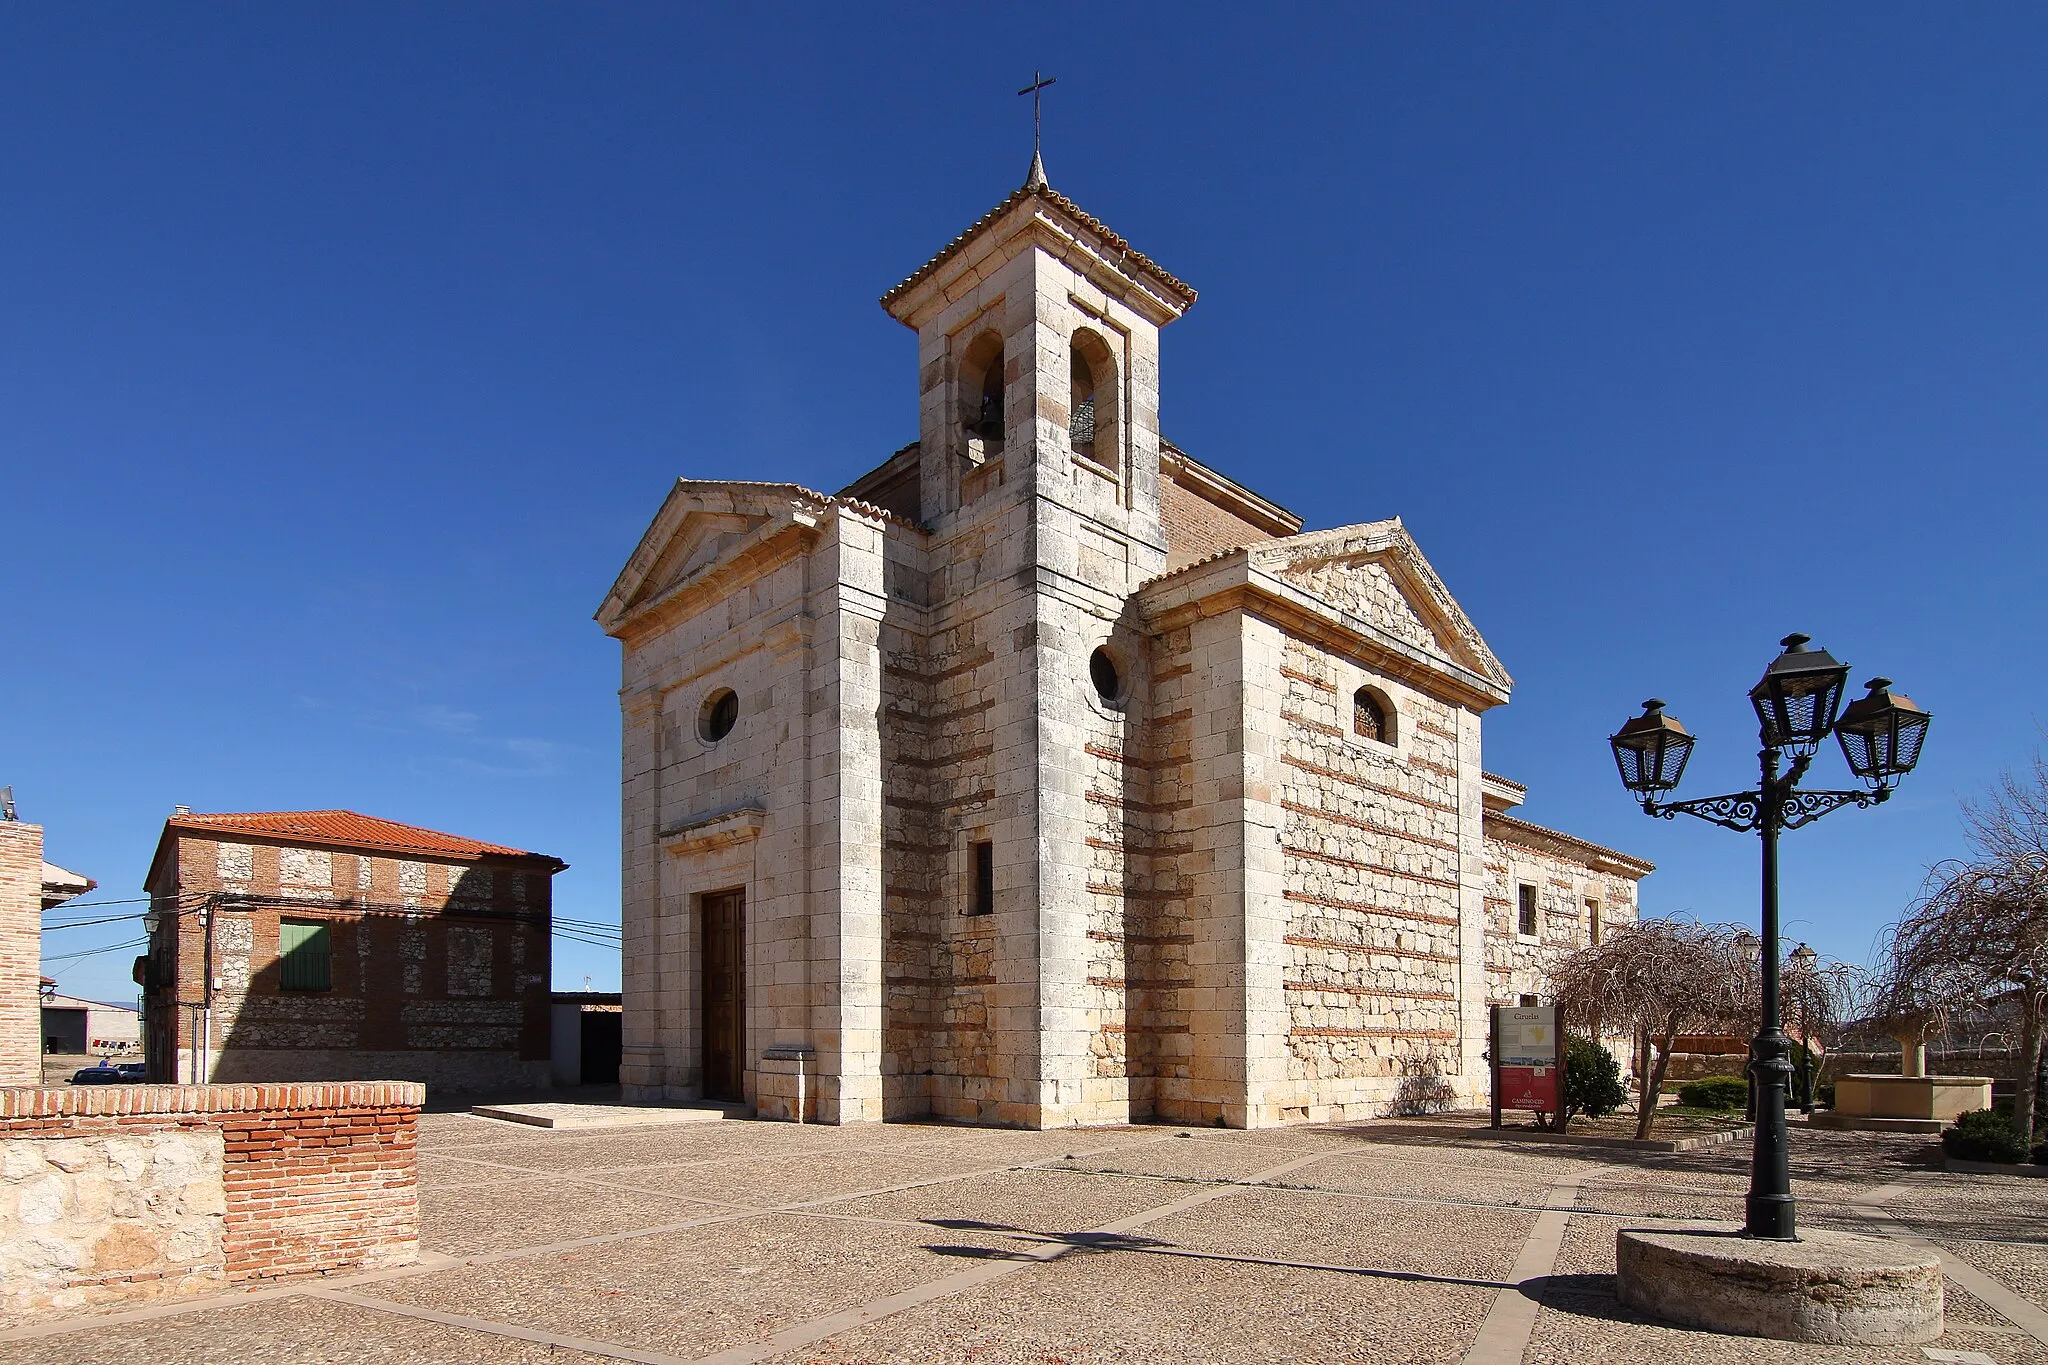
132	1192
439	968
1196	528
21	909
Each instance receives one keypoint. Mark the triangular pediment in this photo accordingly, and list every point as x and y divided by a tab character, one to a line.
702	525
1376	573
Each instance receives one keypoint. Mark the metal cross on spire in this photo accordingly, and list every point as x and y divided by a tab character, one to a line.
1039	80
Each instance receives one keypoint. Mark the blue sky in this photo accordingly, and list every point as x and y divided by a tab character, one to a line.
346	351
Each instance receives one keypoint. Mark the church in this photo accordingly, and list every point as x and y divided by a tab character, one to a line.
1045	775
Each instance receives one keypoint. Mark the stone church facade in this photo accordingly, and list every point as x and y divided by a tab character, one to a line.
1046	776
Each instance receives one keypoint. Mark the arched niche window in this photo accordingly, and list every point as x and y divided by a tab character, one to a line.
981	391
1091	399
1372	715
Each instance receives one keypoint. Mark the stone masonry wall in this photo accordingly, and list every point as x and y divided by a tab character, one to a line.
21	921
141	1192
1372	889
1518	964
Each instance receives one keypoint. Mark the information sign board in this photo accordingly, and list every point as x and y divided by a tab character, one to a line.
1528	1059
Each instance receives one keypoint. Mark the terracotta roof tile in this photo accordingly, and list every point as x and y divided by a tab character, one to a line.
1511	827
1067	206
347	827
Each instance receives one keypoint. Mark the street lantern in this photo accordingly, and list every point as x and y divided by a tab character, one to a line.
1651	751
1881	734
1796	703
1798	695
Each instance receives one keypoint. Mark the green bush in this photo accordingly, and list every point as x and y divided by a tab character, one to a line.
1824	1091
1592	1079
1981	1135
1715	1092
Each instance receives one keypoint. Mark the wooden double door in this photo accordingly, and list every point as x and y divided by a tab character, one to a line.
724	993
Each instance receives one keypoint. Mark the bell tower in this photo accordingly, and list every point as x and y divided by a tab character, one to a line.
1038	468
1038	363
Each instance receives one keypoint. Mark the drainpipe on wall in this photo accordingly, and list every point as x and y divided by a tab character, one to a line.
205	1060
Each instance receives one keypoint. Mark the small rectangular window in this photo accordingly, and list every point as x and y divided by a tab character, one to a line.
1593	921
984	902
1528	1002
1527	922
303	956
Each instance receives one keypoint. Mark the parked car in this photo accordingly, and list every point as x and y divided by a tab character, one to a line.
100	1075
134	1071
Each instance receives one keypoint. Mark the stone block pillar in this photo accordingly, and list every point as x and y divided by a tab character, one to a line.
845	809
21	953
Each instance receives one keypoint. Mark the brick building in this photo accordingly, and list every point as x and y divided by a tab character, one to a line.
1045	775
28	886
327	945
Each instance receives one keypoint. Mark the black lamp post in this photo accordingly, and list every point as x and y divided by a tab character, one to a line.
1796	703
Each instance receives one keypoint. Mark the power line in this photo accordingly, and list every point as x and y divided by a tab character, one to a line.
94	905
95	952
587	942
88	923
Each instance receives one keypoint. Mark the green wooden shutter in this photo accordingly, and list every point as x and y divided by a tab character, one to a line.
303	953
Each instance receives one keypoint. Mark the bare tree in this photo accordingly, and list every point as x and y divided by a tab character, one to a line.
1664	977
1917	982
1817	995
1979	936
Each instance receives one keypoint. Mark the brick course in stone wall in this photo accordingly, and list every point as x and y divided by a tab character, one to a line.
117	1193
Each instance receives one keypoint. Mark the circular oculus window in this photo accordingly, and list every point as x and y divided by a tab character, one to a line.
721	712
1109	682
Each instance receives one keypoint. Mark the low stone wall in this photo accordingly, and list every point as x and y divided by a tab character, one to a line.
132	1192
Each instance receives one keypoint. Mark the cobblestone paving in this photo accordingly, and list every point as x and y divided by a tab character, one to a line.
740	1242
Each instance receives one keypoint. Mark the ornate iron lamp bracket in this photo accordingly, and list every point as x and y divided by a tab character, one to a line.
1803	808
1740	811
1744	811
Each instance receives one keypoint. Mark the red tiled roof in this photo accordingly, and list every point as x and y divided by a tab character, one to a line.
347	827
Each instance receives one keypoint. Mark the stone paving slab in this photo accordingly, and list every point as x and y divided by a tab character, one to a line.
1121	1308
2022	1268
1370	1172
693	1292
512	1213
1035	1201
545	1115
1291	1225
297	1328
554	1152
1184	1158
773	1180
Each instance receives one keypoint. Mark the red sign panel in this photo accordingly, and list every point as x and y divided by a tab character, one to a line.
1529	1087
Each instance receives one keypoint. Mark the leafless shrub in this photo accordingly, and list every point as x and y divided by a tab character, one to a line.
1423	1089
1663	977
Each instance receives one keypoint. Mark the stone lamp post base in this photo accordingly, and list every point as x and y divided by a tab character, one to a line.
1833	1287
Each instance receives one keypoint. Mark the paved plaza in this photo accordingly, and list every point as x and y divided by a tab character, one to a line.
734	1241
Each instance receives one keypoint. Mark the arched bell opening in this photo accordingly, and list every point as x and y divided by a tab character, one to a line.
1091	399
981	396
